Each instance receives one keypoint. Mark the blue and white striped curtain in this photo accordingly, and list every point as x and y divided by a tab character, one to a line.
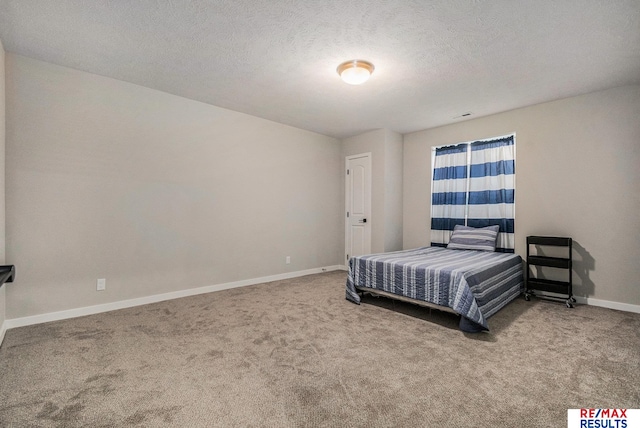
448	191
474	185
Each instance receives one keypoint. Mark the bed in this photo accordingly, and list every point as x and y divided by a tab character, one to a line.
473	284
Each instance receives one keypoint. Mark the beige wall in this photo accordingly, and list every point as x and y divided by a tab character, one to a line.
2	169
385	147
158	193
577	173
154	192
393	161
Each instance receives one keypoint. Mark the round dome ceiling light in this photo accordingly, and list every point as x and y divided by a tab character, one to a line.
355	71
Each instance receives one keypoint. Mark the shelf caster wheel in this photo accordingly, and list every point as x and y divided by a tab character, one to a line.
573	300
569	305
527	297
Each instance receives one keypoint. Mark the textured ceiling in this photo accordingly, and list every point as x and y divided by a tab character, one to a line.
276	59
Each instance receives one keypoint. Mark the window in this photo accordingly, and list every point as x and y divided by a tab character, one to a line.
473	184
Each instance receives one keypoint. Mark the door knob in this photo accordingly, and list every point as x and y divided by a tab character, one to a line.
364	220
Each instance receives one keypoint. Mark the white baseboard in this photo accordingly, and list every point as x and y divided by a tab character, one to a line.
626	307
3	330
122	304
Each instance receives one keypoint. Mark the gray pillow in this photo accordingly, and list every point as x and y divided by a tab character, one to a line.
473	238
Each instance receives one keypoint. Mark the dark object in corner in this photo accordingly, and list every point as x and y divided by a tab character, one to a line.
7	274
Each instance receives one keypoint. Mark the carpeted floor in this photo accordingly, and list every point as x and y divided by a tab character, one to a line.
295	353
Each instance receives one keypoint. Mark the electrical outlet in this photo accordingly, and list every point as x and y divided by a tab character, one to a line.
102	284
288	260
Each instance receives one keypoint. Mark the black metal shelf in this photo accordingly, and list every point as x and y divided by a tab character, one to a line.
534	284
548	285
549	240
556	262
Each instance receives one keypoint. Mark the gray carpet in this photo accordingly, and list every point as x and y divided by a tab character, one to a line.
295	353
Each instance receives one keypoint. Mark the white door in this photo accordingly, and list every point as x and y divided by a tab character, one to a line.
358	205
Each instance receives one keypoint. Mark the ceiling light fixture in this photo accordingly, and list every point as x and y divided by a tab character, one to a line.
355	71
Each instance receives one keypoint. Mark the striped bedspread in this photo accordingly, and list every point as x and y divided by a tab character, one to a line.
475	284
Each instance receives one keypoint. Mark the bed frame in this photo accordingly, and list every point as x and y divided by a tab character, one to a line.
392	296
